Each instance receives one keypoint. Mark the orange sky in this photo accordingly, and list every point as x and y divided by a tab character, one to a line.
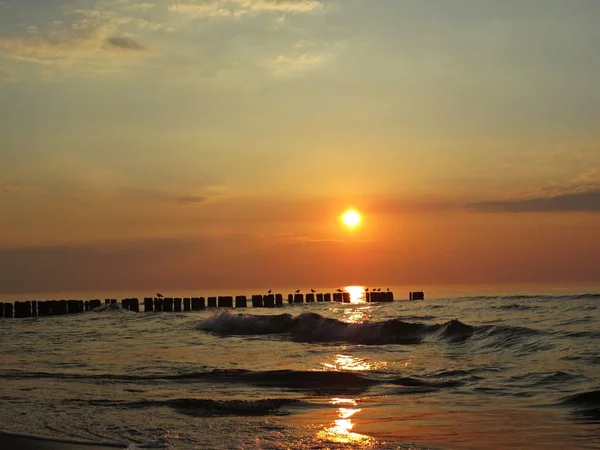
214	143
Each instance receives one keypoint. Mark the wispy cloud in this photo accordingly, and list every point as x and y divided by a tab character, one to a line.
574	202
86	37
204	9
124	43
192	199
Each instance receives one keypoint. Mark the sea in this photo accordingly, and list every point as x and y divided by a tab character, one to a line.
469	368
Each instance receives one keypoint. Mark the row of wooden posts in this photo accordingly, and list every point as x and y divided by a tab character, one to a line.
168	304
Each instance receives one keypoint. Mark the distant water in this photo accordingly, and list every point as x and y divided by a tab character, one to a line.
456	373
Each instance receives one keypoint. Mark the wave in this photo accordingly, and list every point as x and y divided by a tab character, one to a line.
514	306
585	296
207	407
320	382
585	404
312	327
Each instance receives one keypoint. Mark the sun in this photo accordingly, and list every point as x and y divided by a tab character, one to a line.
351	218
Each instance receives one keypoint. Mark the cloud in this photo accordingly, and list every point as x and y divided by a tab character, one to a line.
238	8
191	199
572	202
124	43
93	37
284	65
291	6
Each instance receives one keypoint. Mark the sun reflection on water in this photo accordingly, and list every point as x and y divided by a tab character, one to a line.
352	363
341	430
357	294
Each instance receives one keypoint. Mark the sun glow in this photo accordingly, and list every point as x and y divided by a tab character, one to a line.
351	218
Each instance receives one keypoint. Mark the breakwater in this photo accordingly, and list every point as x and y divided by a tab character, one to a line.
43	308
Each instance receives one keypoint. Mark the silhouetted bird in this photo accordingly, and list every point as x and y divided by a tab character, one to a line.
313	291
378	289
297	291
366	289
339	290
388	289
269	291
158	294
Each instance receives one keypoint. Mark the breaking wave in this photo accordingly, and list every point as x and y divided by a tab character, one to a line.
312	327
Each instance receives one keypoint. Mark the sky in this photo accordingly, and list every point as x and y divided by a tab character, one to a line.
215	143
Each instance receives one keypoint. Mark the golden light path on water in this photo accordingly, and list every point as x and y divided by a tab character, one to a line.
341	430
347	363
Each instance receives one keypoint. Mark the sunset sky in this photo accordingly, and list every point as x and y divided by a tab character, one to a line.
215	143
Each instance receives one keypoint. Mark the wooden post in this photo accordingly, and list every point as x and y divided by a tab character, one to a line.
8	310
148	304
269	301
168	304
327	297
346	297
278	300
319	297
187	304
22	310
225	302
257	301
198	303
310	298
177	304
1	309
158	304
241	301
290	298
298	298
212	302
95	304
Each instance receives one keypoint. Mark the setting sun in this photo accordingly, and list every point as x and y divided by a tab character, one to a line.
351	218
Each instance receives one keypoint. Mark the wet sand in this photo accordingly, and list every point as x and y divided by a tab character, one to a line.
21	442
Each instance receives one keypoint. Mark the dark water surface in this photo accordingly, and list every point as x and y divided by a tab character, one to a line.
476	372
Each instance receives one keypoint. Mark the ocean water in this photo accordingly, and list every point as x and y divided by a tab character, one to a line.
477	372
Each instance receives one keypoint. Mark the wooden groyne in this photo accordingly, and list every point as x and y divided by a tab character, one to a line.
43	308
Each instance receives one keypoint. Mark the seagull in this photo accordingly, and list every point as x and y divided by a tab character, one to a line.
297	291
366	289
313	291
378	289
158	294
339	290
388	289
269	291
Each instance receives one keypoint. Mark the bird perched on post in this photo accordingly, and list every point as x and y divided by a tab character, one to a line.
158	294
366	289
269	291
312	291
339	290
388	289
297	291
